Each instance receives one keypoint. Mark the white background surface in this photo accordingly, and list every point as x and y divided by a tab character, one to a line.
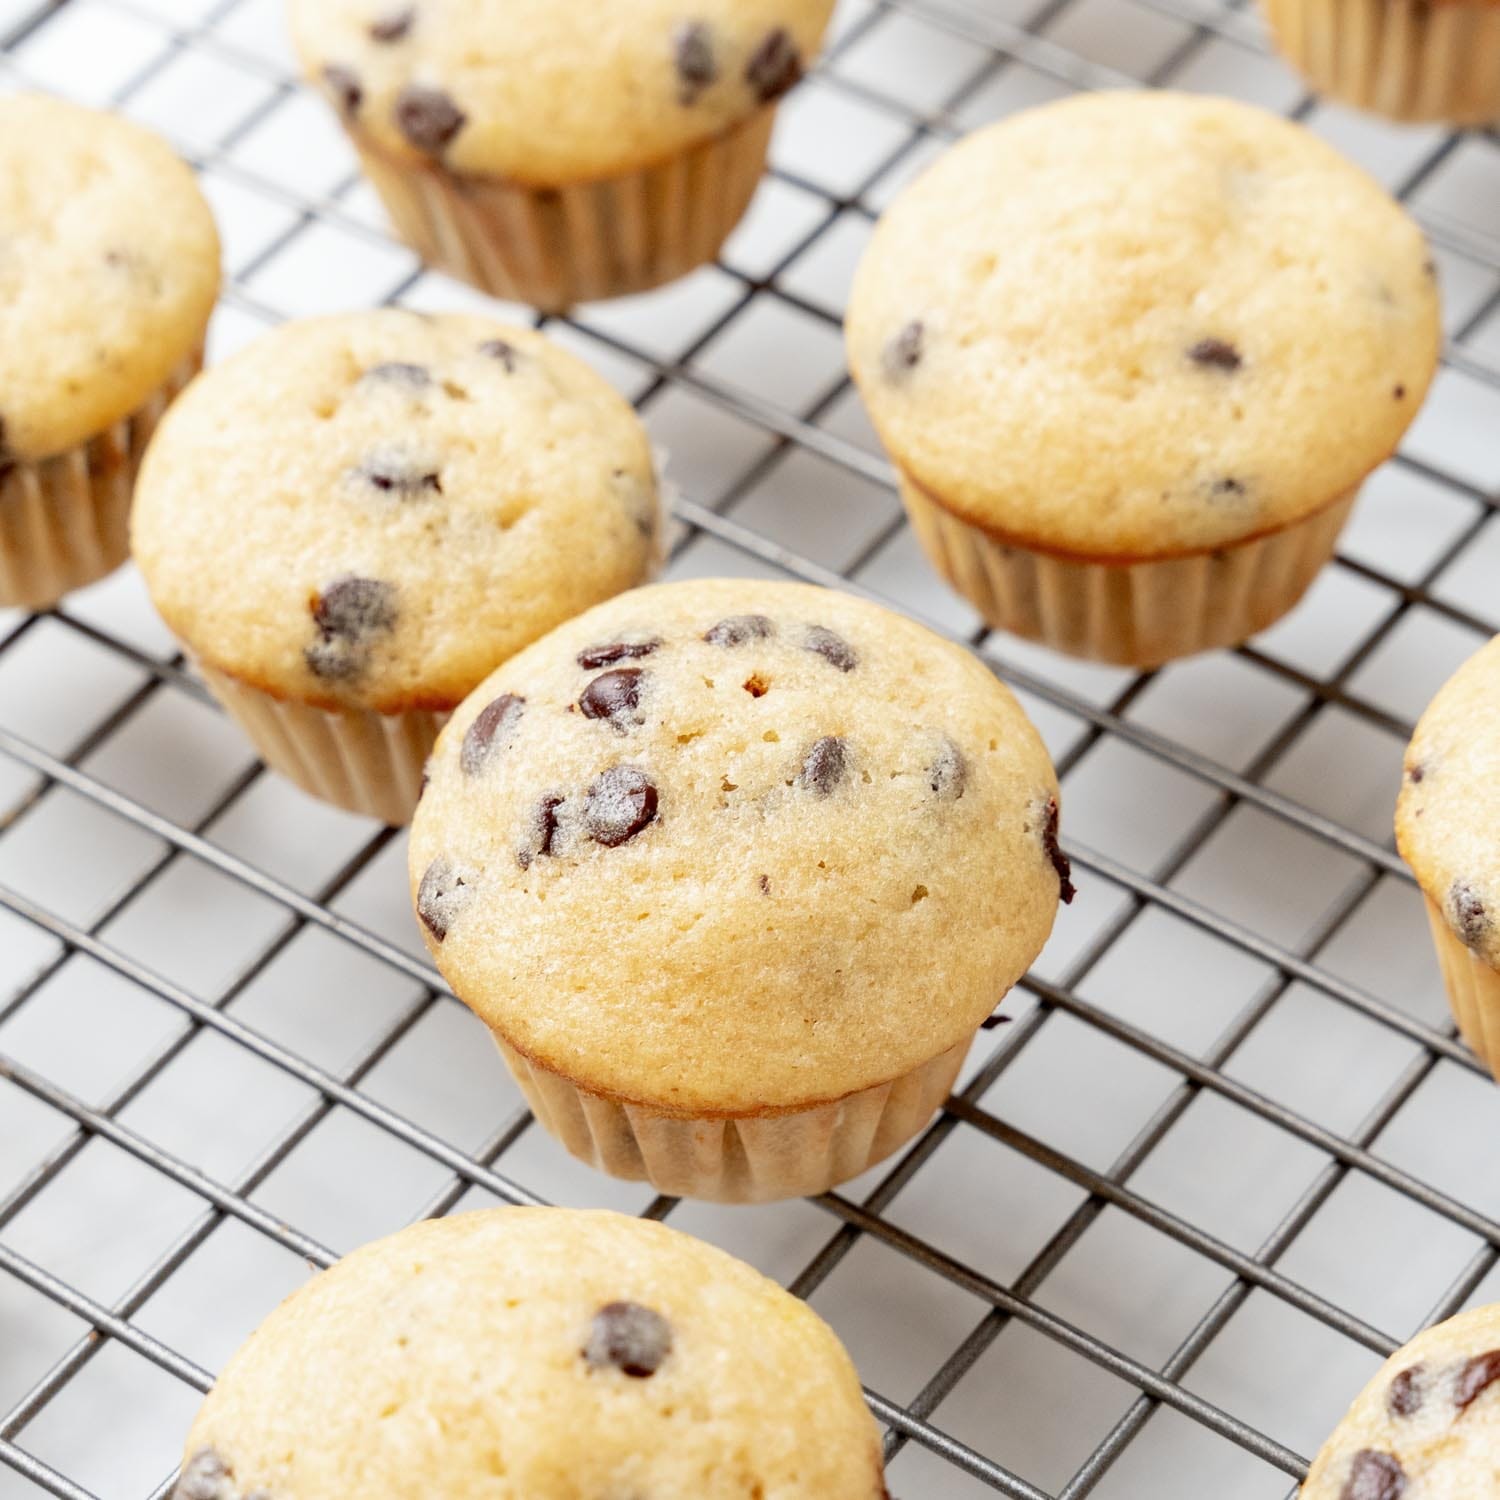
1316	711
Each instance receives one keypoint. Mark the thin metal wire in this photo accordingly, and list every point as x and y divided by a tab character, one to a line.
1003	46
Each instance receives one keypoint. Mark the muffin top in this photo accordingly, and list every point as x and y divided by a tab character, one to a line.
551	92
684	850
1427	1425
374	510
1448	814
537	1354
109	268
1142	325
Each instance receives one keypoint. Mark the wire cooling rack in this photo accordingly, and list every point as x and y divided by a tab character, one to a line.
1222	1157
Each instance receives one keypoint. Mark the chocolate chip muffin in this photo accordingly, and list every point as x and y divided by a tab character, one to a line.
354	521
109	269
537	1354
555	151
1448	831
1409	59
1427	1427
733	871
1133	355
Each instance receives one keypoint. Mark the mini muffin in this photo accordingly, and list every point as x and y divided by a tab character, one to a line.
1132	355
1448	831
537	1354
355	520
109	269
555	151
1427	1427
1409	59
733	871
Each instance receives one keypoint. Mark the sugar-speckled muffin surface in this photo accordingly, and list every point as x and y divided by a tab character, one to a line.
375	509
731	846
553	91
109	268
1140	325
1448	816
537	1354
1427	1427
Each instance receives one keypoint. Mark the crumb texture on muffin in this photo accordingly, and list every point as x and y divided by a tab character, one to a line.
537	1354
1448	815
373	510
1141	325
550	92
728	846
109	268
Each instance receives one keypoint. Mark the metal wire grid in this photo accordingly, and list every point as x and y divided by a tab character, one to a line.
919	1419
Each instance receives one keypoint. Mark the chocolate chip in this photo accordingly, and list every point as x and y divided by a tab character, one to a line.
7	458
442	895
1216	354
397	372
398	474
393	27
428	118
1060	862
1470	919
1220	488
614	696
1414	774
630	1338
1398	393
1476	1377
738	629
904	352
348	614
205	1476
775	66
504	352
991	1022
1405	1395
949	772
693	57
606	656
765	885
494	723
619	805
543	830
344	85
1374	1476
823	766
832	648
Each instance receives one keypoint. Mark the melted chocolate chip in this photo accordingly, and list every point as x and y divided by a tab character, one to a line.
399	475
1060	862
1406	1395
614	696
1398	393
543	832
205	1476
349	614
1374	1476
502	351
397	372
442	895
775	66
1476	1377
344	85
693	57
1216	354
606	656
949	772
630	1338
428	118
823	766
489	731
1470	918
619	805
832	648
393	27
737	630
1222	488
904	352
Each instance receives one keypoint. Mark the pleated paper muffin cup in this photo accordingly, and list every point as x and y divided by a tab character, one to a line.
1473	990
795	1153
362	761
65	520
1408	59
553	246
1137	614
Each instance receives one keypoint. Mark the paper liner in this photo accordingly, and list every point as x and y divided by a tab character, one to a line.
739	1159
1136	614
65	520
1473	990
1409	59
364	762
552	247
